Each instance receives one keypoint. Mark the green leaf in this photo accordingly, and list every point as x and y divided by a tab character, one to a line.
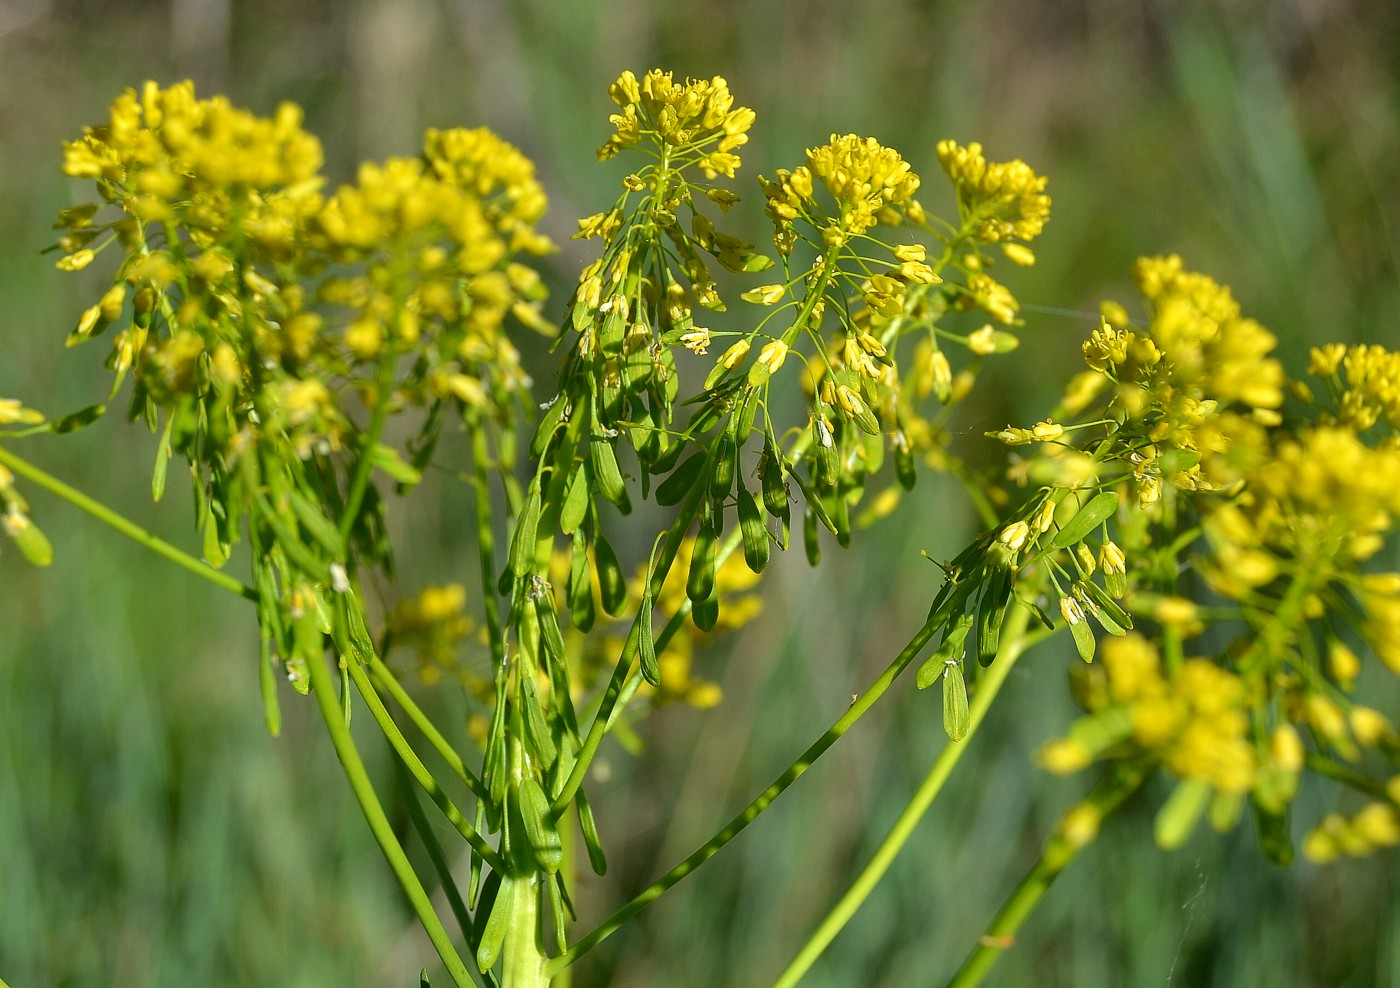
581	587
1083	639
576	502
522	546
1099	509
549	424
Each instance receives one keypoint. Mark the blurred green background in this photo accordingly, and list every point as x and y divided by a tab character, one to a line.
152	834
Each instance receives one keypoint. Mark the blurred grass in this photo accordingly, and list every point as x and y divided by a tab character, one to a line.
150	832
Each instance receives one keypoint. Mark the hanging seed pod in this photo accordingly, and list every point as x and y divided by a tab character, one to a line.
722	457
1272	831
646	643
705	614
605	470
809	536
596	858
990	612
775	493
612	585
1100	508
580	587
956	718
700	584
1104	609
576	500
549	424
904	466
493	933
755	533
522	546
163	452
554	890
683	479
537	731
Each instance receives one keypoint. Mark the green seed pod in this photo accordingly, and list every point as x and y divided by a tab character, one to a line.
580	587
493	934
216	551
1104	609
554	889
540	831
163	452
576	501
723	457
775	493
674	488
705	614
537	731
700	584
904	466
956	719
596	858
755	533
522	546
1099	509
646	643
549	424
1178	815
605	470
809	536
612	585
1083	639
990	613
1272	831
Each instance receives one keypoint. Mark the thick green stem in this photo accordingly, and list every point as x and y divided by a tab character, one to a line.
324	689
1015	640
1077	830
844	723
523	960
136	533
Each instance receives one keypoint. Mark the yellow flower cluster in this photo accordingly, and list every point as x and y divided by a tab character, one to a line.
1001	201
1371	390
862	176
165	155
1374	828
1195	719
696	118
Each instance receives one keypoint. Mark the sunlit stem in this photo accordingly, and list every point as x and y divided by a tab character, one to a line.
1062	848
130	529
844	723
324	689
1015	641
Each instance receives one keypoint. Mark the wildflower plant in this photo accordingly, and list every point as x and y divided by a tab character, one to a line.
1203	525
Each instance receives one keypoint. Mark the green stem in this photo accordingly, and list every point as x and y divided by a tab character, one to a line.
385	678
1062	848
136	533
1015	641
364	465
420	771
746	816
323	687
435	855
